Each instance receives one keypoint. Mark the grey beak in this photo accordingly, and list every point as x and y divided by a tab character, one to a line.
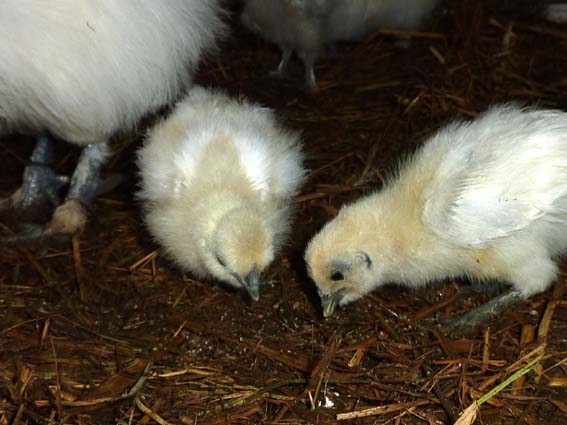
330	302
251	283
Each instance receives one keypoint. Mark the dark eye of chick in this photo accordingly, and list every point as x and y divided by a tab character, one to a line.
337	276
217	257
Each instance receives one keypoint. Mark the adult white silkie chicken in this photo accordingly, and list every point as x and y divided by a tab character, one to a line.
485	199
84	70
307	26
218	180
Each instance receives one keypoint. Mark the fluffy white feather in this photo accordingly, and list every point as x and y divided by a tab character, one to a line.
306	26
486	199
217	180
83	70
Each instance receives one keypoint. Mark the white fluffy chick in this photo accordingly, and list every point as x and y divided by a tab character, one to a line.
307	26
84	70
218	177
485	199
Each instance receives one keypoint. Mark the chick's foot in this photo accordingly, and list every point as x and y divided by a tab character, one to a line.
472	321
283	66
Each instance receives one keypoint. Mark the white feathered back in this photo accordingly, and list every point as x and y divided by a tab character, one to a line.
85	69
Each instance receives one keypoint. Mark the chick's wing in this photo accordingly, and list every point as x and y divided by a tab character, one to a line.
490	188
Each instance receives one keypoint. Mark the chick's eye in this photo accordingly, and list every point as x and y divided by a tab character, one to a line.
220	261
336	276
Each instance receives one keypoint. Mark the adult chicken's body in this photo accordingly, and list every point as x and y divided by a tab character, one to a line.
485	199
83	70
307	26
218	177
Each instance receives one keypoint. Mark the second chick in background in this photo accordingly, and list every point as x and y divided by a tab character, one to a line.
307	26
218	177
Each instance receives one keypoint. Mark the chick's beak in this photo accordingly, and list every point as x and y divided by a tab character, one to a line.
251	283
330	302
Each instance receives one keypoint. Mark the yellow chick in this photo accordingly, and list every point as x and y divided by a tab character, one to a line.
485	199
218	177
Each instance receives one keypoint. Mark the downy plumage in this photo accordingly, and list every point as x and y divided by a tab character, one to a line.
486	199
218	177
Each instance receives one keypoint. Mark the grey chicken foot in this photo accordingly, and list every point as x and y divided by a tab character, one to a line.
70	217
40	184
471	321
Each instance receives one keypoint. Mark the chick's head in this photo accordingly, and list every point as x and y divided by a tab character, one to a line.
242	248
341	265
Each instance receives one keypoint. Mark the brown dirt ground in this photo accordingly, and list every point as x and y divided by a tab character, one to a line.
105	331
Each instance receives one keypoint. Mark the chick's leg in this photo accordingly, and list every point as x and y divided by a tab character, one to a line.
531	274
308	59
40	184
70	217
471	321
284	63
